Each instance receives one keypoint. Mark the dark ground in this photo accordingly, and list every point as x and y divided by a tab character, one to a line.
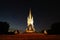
31	36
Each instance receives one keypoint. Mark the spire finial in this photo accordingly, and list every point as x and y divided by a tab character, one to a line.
30	13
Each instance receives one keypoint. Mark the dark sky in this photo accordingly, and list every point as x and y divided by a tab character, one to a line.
15	12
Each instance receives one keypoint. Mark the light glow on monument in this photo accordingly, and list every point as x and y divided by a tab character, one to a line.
30	25
30	19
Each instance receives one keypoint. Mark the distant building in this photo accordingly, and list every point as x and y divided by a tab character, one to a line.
45	32
16	32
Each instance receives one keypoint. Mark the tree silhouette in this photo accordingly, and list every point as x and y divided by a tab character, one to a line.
4	26
55	28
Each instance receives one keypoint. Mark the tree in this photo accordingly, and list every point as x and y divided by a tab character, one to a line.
55	28
4	26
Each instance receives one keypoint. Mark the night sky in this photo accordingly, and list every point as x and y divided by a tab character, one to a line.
15	12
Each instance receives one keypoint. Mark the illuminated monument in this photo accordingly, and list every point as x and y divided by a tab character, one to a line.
30	26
